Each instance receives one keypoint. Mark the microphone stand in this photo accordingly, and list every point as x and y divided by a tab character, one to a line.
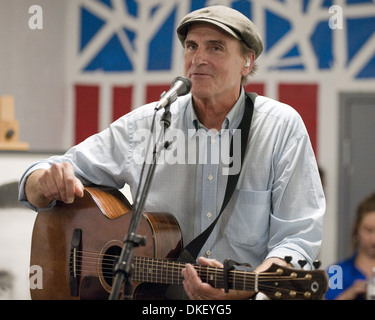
123	269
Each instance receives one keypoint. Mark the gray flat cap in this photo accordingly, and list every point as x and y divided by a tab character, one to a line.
227	19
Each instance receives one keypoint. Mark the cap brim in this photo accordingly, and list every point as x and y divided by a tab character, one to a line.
182	30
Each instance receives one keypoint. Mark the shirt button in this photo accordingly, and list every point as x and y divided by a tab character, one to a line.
210	177
208	253
209	214
213	140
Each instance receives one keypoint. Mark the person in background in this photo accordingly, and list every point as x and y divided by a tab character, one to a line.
358	268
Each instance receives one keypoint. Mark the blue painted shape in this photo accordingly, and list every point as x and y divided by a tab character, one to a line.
111	58
322	41
277	28
327	3
197	4
108	3
245	7
349	2
292	67
161	46
132	7
368	71
90	25
358	32
294	52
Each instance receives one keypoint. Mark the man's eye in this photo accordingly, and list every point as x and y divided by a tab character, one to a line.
191	46
216	48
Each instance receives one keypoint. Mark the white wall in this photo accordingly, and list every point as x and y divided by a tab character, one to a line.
32	69
16	225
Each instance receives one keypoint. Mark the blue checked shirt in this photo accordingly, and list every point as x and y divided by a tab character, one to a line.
276	209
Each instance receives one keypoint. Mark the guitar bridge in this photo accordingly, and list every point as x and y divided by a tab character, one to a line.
74	262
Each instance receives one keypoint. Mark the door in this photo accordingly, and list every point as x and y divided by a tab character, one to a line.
357	161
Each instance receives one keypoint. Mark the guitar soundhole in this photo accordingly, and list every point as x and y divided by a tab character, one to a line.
110	257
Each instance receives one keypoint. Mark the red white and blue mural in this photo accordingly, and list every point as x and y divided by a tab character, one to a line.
124	53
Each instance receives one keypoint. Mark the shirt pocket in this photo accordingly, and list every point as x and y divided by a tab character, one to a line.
248	222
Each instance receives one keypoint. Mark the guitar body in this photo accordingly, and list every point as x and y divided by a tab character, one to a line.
75	245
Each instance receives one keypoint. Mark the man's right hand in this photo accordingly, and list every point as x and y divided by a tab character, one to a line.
56	183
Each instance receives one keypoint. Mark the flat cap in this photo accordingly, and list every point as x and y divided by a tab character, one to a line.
227	19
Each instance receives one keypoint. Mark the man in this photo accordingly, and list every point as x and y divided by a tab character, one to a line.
277	207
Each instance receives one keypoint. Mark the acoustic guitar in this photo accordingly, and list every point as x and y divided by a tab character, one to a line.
76	247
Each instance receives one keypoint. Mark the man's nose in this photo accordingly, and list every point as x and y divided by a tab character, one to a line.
199	57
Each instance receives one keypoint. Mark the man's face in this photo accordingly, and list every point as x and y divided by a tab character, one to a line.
213	62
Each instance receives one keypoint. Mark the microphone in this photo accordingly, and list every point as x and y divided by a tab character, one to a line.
180	86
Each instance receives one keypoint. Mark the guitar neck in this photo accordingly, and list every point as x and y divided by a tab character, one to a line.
169	272
277	282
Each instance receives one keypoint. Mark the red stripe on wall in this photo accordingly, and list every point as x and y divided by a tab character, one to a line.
303	98
86	111
255	87
153	92
122	101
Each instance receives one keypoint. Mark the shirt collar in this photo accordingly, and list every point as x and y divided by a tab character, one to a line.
232	120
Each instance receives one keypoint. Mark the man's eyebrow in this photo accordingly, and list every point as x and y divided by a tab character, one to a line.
188	41
221	42
210	42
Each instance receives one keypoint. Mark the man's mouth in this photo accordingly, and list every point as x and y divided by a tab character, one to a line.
198	75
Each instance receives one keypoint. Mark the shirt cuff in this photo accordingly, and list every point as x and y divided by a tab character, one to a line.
283	252
22	199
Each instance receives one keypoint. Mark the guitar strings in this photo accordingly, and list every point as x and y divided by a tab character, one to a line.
157	273
108	261
154	270
177	279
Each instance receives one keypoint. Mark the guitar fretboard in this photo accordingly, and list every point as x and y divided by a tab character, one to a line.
169	272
